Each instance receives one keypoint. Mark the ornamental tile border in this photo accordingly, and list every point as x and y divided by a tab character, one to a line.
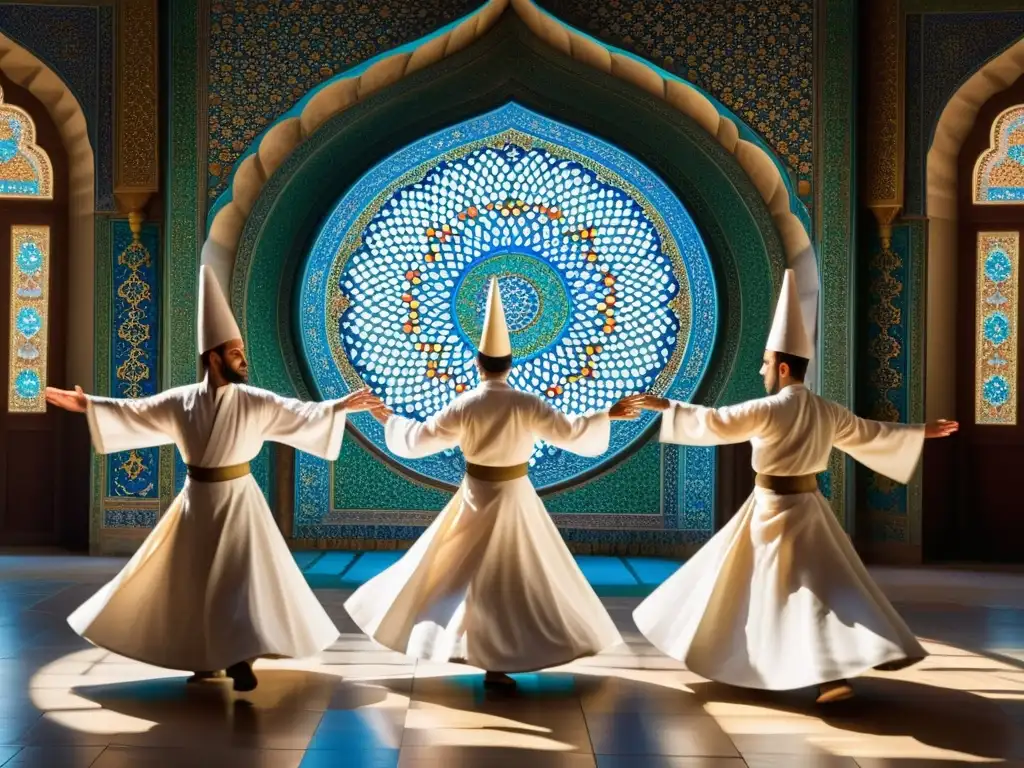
135	345
917	322
103	277
186	206
885	361
183	194
836	235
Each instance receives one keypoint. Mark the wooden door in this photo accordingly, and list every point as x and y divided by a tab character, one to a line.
988	520
32	456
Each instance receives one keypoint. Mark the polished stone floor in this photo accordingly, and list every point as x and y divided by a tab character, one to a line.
64	703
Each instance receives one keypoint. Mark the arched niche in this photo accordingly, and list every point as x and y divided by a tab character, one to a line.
511	65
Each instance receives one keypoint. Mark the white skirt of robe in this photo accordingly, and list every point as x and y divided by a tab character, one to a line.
213	584
777	600
490	582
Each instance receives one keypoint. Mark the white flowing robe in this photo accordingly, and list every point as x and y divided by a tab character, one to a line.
779	599
214	583
490	581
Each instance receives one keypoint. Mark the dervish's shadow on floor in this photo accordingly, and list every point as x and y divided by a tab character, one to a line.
944	718
286	710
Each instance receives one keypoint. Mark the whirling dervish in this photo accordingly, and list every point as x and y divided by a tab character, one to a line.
213	587
779	599
491	583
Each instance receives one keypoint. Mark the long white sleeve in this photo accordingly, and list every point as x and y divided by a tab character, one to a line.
414	439
887	448
586	435
124	425
686	424
315	428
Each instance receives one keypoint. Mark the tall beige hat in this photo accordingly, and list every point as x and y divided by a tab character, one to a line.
789	335
216	322
494	341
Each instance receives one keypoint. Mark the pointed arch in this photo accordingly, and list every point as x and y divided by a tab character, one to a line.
954	126
269	151
27	71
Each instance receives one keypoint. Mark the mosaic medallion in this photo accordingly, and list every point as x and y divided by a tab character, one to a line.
535	299
607	289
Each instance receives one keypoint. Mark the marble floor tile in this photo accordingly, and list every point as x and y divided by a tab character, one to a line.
66	703
54	757
654	733
490	757
668	761
197	757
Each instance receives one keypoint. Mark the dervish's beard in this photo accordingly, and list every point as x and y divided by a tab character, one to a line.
231	376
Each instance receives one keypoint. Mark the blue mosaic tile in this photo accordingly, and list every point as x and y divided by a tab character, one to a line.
697	486
129	518
331	564
601	571
369	565
652	571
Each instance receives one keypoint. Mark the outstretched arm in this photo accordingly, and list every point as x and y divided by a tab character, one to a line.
122	425
411	439
587	435
686	424
888	448
316	428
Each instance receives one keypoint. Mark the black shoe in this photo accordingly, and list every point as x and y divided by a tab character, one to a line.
199	677
499	680
243	676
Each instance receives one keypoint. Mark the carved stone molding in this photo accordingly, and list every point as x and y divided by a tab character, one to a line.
884	104
137	169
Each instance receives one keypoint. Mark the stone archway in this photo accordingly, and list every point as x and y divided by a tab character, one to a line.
954	126
30	73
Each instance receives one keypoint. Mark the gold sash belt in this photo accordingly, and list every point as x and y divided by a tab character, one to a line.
496	474
787	485
217	474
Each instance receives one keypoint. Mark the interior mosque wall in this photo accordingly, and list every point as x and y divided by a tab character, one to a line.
787	71
915	56
232	228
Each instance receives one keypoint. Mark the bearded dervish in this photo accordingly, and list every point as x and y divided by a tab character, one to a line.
778	599
213	587
491	583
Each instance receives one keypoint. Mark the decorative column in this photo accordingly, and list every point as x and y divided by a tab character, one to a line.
134	488
136	143
834	210
892	511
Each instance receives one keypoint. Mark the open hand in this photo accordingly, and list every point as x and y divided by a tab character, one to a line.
627	409
382	413
649	402
75	401
361	400
940	428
